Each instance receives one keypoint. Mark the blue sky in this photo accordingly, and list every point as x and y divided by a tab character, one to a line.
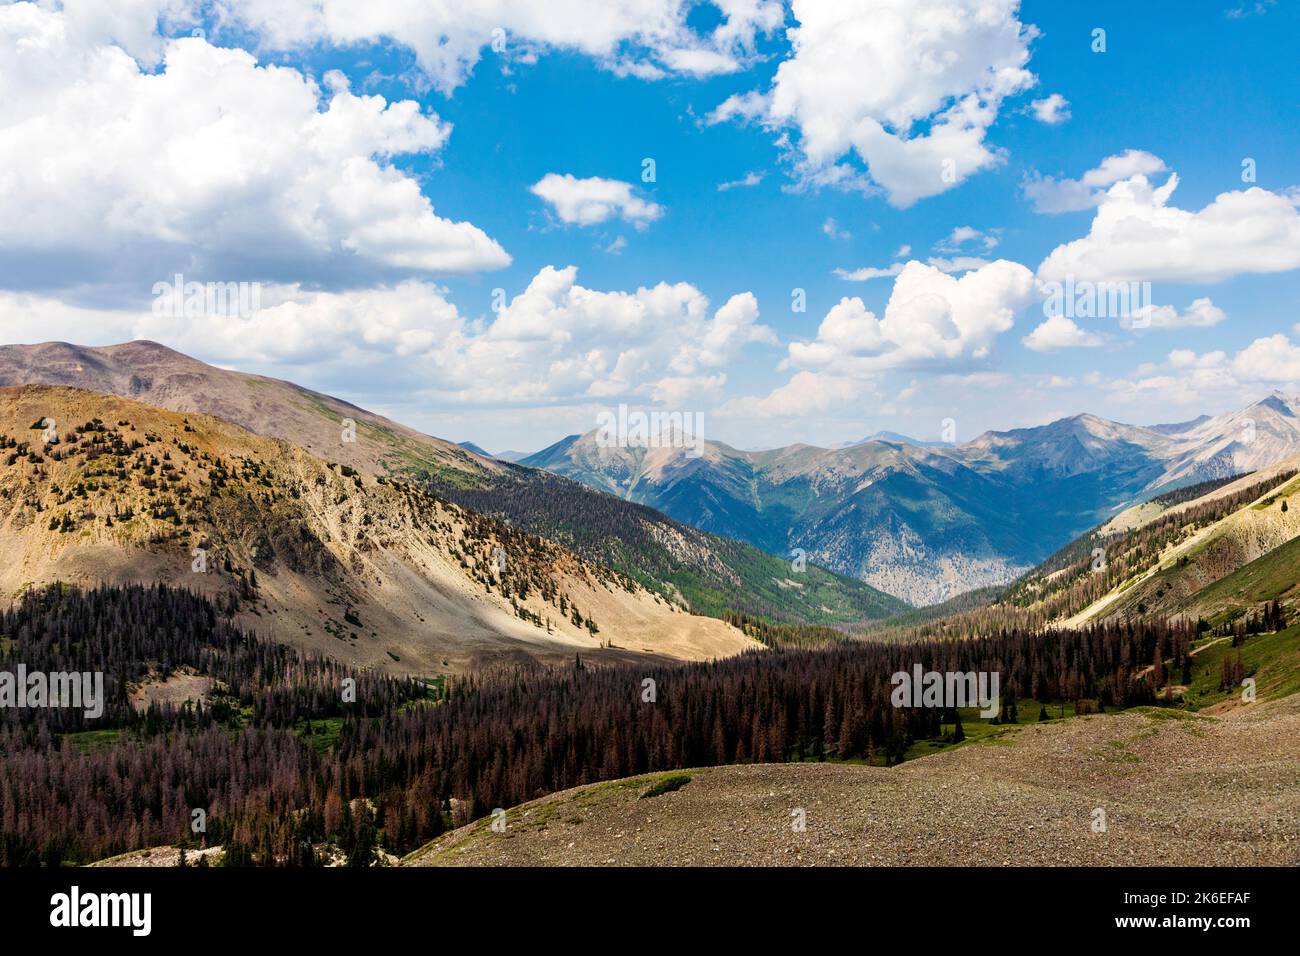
295	149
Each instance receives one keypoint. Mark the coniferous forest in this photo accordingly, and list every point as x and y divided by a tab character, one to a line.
281	760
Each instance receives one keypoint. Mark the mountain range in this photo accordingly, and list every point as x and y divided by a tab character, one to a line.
371	571
880	522
411	561
925	522
689	568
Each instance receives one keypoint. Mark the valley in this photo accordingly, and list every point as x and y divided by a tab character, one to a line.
446	582
852	441
926	522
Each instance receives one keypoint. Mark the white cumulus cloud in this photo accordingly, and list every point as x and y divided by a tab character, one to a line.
587	202
963	236
1274	358
942	263
744	182
1058	332
555	342
1051	195
807	393
1052	110
110	172
918	118
1190	379
644	38
931	318
1201	314
1137	235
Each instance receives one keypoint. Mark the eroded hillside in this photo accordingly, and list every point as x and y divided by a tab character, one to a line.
708	574
367	569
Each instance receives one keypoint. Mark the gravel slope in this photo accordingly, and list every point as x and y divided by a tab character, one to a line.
1177	789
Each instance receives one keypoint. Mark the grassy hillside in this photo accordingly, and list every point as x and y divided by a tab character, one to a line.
1185	569
1142	564
1273	660
1275	576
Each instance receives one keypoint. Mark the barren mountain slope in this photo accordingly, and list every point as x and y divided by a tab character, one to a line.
162	377
1207	556
366	569
1143	514
1246	440
681	563
1176	789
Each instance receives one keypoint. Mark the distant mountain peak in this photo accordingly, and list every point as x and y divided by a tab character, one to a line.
551	453
1092	424
145	345
1279	402
897	438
